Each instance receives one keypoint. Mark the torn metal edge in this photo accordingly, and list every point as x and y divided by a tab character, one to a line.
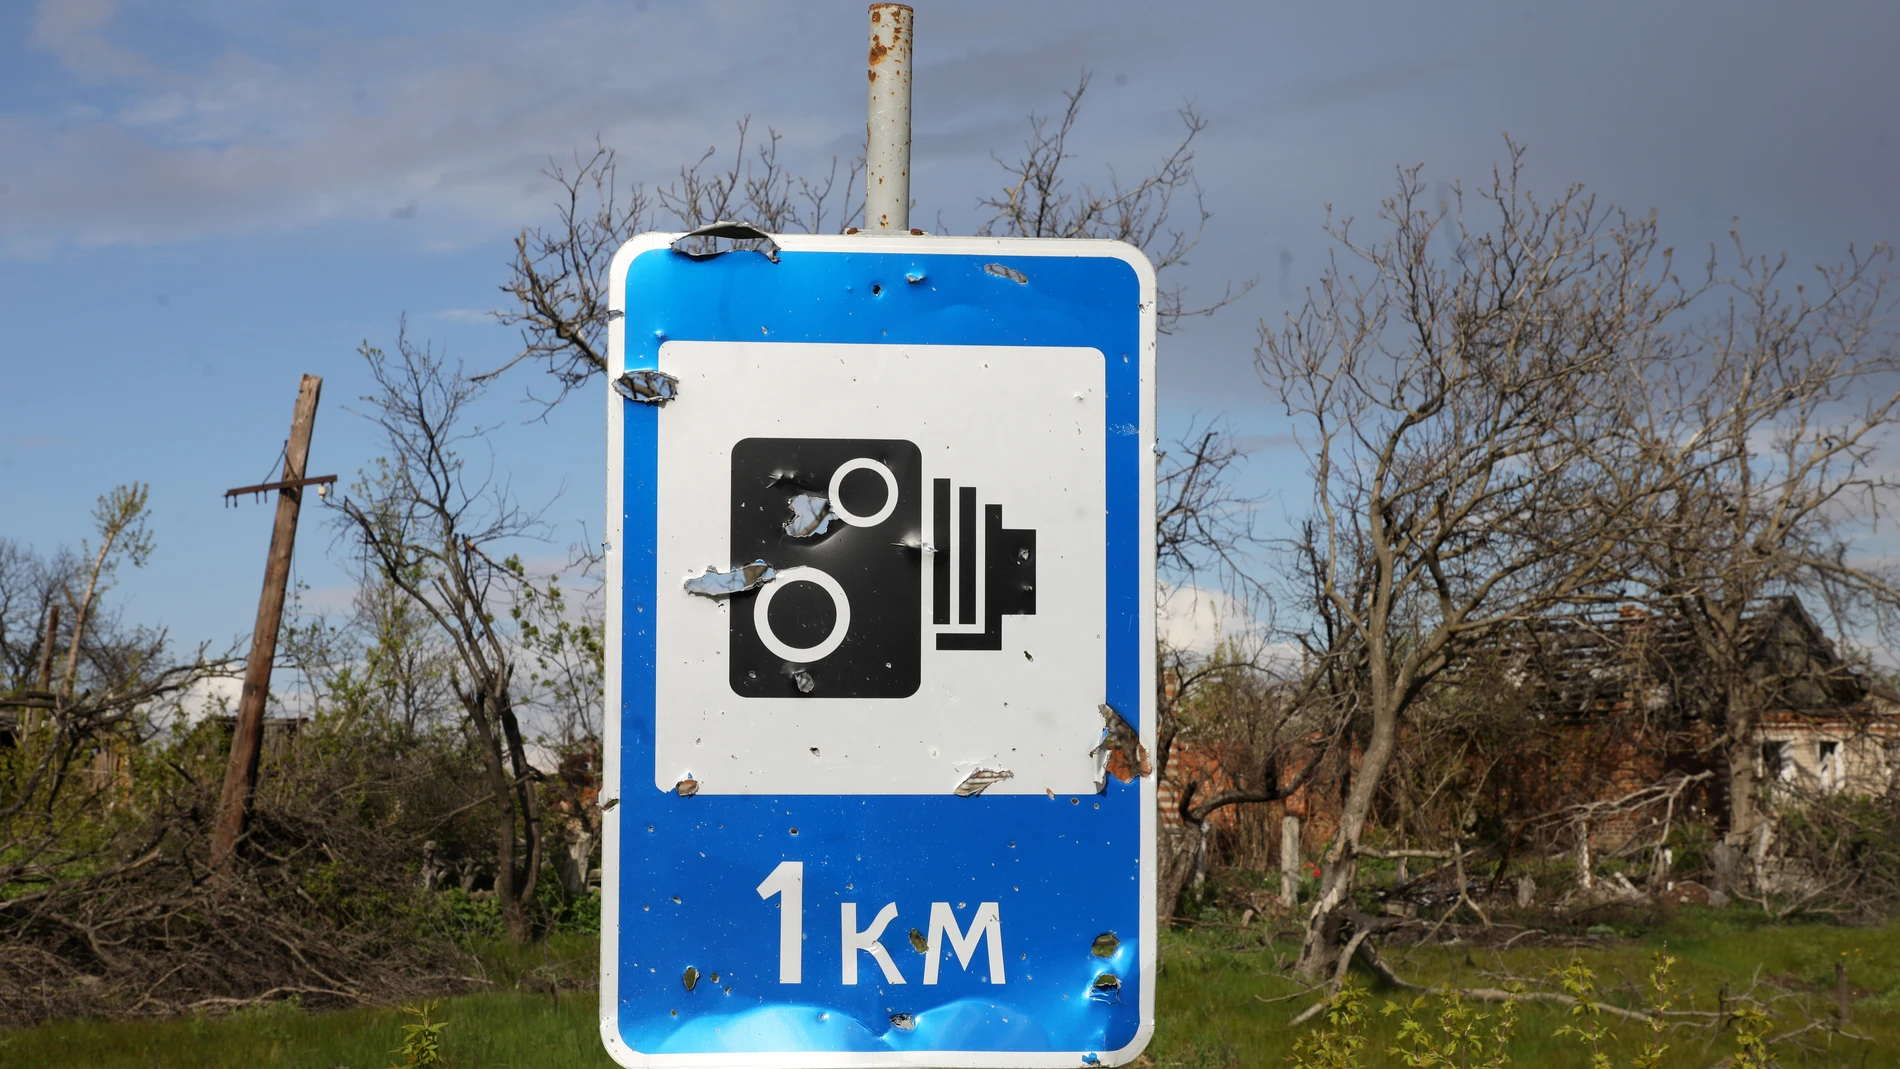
1119	739
718	584
981	780
647	386
809	515
1008	272
731	230
800	675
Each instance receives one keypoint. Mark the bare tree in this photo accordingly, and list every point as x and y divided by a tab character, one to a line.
1038	200
1767	440
1204	534
120	517
1461	421
1257	731
67	823
429	525
558	277
32	588
383	669
562	637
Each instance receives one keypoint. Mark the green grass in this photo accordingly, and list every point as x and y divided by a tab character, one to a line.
1209	1016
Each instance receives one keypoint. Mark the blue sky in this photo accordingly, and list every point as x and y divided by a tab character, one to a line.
200	199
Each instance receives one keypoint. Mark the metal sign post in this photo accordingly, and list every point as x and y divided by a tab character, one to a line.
887	131
881	654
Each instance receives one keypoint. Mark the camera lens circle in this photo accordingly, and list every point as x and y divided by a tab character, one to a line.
762	622
852	518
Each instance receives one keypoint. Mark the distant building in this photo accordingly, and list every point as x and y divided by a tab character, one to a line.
1626	705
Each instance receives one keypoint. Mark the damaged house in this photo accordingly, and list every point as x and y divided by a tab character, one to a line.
1816	723
1607	734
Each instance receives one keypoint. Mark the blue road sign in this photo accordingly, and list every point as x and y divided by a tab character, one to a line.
880	654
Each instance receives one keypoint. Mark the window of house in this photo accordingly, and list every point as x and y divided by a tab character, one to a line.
1777	762
1828	764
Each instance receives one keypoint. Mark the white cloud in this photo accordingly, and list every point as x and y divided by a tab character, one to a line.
287	121
345	126
212	695
1198	620
74	32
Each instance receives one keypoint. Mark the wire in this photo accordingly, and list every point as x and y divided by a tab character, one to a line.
283	454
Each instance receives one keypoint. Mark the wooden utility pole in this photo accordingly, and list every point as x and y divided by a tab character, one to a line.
240	775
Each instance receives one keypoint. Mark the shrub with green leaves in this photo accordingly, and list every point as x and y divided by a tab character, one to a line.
1463	1039
1444	1029
421	1041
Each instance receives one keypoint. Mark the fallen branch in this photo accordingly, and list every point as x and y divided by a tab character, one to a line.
274	992
1289	998
1369	956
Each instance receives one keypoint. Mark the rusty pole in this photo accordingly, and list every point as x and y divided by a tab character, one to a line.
887	135
240	774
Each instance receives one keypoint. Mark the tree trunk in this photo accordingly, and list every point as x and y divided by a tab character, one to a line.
1739	750
512	916
529	878
507	885
1176	847
1586	865
1320	951
80	610
1290	860
1172	842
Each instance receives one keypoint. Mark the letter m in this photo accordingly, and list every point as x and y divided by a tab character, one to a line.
943	922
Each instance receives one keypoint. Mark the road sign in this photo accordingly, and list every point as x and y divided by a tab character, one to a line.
880	654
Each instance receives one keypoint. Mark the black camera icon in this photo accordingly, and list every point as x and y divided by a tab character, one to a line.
840	520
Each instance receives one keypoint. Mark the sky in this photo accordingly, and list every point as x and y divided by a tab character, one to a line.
202	199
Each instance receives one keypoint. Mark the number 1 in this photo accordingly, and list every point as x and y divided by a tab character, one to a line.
788	882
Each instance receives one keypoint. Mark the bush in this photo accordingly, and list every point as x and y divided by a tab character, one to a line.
324	900
1445	1030
1842	854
